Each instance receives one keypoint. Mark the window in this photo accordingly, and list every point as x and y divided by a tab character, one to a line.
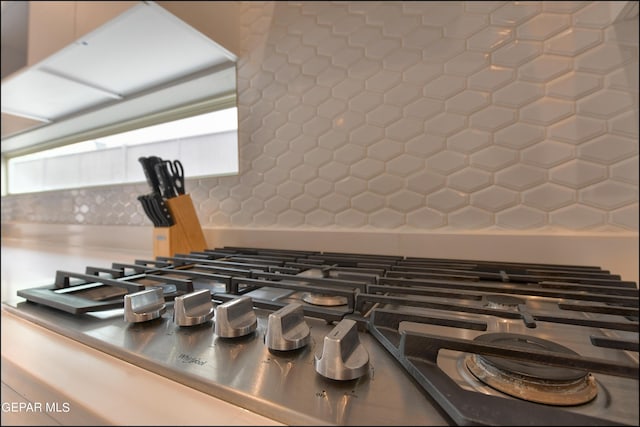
114	159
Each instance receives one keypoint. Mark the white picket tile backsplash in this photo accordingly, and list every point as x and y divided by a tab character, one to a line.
417	116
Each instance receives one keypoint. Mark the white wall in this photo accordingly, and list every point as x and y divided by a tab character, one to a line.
434	116
417	117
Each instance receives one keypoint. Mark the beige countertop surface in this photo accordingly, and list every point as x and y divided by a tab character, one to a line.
48	379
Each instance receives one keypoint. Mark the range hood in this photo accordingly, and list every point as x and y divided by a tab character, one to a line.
142	63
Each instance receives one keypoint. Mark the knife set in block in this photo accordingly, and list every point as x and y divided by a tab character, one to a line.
176	225
185	235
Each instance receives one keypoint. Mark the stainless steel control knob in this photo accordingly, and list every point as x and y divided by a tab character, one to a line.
343	356
193	308
287	329
235	318
144	305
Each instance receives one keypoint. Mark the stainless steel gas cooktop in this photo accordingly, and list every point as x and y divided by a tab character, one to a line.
335	338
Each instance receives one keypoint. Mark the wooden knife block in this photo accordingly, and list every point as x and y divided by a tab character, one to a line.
185	235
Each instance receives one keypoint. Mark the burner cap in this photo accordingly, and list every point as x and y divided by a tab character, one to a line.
324	300
503	301
535	382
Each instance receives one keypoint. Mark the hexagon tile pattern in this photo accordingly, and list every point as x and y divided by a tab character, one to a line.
418	116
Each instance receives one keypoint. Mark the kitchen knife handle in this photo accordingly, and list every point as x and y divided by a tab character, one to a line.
167	189
157	203
177	172
147	210
148	166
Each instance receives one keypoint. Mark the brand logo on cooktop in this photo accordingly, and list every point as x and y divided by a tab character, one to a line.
185	358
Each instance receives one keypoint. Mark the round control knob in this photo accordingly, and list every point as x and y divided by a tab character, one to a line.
144	305
235	318
287	329
343	356
193	308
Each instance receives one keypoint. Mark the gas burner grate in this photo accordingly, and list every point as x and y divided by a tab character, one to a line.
418	354
421	316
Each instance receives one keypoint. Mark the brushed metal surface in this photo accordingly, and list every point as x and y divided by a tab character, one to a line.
242	371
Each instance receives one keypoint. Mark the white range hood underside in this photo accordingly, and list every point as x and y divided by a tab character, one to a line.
143	62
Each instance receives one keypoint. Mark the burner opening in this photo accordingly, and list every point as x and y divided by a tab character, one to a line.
324	299
530	381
